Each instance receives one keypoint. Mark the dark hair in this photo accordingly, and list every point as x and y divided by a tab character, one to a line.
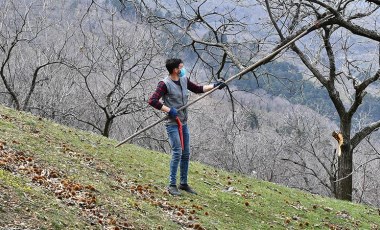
172	63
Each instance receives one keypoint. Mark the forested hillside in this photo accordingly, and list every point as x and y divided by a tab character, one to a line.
94	64
285	80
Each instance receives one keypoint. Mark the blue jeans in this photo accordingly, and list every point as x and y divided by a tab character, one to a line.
179	157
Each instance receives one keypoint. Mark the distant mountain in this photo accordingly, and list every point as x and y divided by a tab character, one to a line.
285	80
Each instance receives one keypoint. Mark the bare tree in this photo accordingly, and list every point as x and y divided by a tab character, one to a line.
103	66
348	80
116	59
226	40
310	157
26	31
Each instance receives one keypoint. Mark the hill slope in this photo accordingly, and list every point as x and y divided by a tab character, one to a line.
54	177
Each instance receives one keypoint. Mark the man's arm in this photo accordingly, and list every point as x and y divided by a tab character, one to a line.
154	100
198	88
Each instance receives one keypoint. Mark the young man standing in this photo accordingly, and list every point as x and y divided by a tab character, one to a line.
174	91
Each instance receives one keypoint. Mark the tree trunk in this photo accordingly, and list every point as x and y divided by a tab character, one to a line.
345	171
344	191
107	126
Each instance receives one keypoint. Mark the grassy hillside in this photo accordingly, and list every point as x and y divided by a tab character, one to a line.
55	177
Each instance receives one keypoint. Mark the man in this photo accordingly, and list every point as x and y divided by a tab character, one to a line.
174	91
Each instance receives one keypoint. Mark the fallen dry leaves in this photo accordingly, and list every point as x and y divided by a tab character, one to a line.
183	216
84	197
68	191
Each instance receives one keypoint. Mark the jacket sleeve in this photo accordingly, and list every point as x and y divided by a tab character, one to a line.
194	87
154	100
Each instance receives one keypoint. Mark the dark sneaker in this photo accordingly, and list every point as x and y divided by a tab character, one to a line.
173	190
187	188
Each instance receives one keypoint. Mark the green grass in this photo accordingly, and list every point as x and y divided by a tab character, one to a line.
130	188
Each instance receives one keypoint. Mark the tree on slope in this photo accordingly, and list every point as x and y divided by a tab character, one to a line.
341	53
32	46
340	62
116	58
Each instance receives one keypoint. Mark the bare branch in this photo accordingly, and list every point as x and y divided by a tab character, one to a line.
359	136
358	30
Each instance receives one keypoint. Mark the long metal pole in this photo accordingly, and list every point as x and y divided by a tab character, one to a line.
241	73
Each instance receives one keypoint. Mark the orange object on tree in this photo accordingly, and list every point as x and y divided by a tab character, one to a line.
338	137
180	132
